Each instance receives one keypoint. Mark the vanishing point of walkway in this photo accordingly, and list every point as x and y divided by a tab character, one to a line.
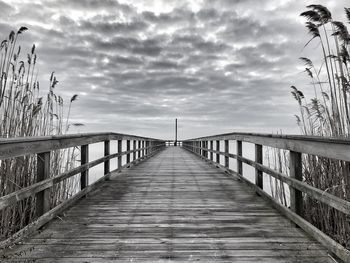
171	208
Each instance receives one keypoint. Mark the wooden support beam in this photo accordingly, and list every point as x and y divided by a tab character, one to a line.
259	159
239	162
138	149
120	146
218	150
211	150
227	150
84	158
128	149
43	172
106	153
134	149
295	169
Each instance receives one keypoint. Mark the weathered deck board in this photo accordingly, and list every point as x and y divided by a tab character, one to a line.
173	207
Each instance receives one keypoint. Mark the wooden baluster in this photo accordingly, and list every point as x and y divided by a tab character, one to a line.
295	169
43	172
203	149
206	149
239	162
227	150
259	159
134	149
218	150
128	149
120	157
106	153
143	149
138	149
84	159
147	150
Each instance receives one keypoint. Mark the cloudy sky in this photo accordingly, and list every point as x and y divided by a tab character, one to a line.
217	65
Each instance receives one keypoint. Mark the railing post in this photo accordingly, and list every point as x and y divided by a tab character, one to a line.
43	172
226	153
84	159
147	150
211	150
218	150
134	149
259	159
128	149
239	162
206	149
106	153
203	146
143	148
295	168
120	148
138	149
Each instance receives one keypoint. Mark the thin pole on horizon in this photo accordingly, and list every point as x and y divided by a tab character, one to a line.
175	144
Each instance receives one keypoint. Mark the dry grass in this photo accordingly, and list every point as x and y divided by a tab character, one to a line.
25	112
326	114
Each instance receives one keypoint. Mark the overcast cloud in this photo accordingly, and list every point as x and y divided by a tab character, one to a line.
217	65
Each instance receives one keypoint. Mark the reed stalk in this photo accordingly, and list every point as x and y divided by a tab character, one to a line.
25	110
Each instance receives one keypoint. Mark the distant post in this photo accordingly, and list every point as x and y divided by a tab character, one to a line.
175	143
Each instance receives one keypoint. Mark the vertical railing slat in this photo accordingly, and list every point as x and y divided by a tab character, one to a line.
43	172
84	159
120	157
259	159
295	168
218	150
239	162
106	153
128	149
227	150
134	149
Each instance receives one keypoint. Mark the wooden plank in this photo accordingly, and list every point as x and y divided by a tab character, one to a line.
173	206
211	149
106	153
335	148
84	159
227	150
43	172
16	196
53	213
239	153
258	172
295	170
134	150
13	147
120	145
128	149
139	149
217	150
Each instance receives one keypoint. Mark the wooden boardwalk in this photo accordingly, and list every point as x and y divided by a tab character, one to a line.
174	207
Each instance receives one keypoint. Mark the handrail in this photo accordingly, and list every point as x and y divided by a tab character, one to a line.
315	145
142	148
297	145
19	146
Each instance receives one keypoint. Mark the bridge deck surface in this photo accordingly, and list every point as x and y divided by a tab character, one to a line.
172	207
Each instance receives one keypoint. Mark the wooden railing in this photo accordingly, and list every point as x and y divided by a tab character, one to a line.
142	148
338	149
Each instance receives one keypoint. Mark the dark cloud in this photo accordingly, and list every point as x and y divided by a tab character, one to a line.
217	65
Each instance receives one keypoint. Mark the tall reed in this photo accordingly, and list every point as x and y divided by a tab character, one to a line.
326	114
25	111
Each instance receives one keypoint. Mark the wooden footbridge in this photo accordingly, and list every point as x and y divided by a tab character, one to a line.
171	203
